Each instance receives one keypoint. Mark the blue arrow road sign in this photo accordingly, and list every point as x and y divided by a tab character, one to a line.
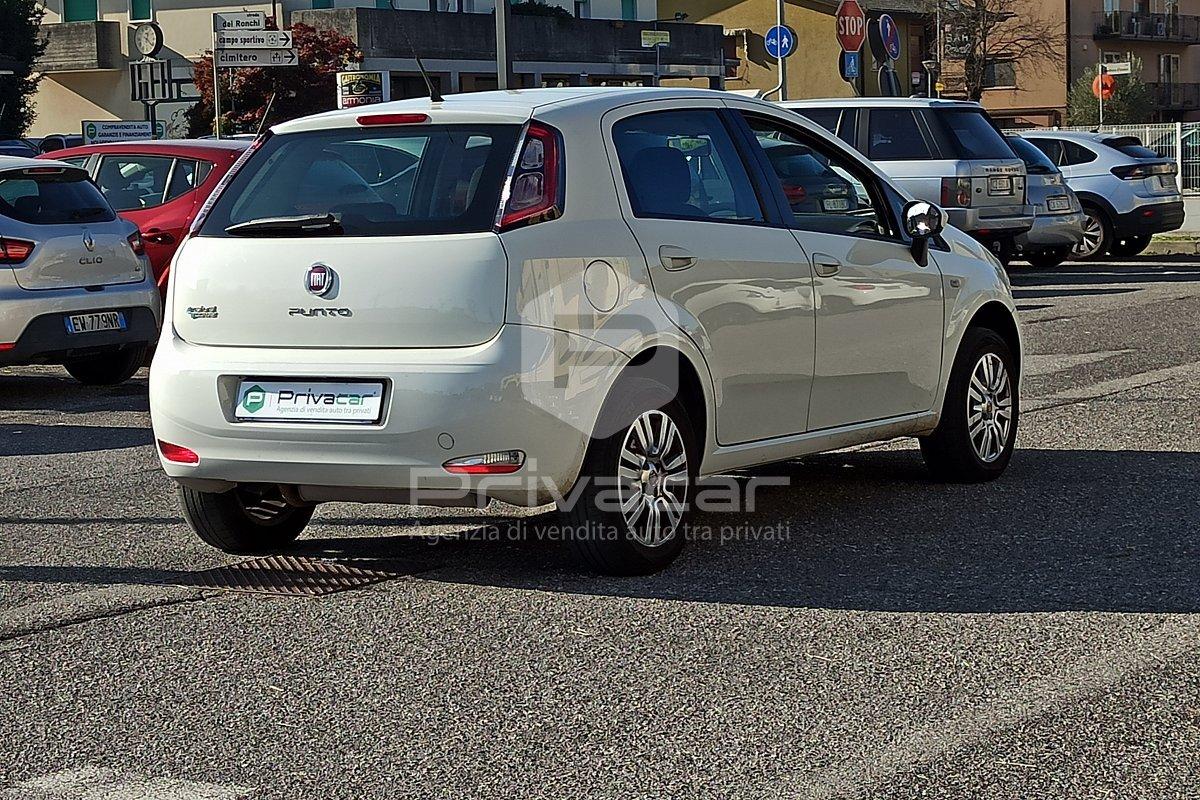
890	33
780	41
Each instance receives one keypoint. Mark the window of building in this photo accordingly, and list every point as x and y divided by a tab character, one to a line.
896	136
383	3
1168	68
322	3
1000	73
629	9
80	11
141	10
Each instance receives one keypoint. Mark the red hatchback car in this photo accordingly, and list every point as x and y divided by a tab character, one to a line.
157	185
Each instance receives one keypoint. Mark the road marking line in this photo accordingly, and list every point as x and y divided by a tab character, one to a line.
865	771
99	783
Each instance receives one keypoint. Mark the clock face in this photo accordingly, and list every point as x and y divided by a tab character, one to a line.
147	38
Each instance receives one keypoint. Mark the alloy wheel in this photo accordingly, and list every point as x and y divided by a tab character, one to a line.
989	408
653	478
1093	236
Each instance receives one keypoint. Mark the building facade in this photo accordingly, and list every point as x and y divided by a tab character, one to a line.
85	70
1162	34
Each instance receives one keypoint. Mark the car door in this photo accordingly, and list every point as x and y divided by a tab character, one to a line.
723	266
879	313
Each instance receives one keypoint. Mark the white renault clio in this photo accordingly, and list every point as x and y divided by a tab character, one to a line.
592	297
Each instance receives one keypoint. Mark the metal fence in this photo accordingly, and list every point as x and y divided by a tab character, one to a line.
1178	141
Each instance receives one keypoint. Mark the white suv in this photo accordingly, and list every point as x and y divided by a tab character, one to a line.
592	297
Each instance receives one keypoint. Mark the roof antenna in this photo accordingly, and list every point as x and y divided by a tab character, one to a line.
434	95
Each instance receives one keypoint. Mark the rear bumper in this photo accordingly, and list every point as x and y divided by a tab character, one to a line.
1150	219
1004	221
33	320
531	389
1053	230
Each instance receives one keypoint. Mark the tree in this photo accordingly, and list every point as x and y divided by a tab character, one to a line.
1131	103
21	45
982	33
307	88
536	8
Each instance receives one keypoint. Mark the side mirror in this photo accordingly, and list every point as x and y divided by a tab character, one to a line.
922	221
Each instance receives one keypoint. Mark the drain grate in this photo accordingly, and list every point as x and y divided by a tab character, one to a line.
291	576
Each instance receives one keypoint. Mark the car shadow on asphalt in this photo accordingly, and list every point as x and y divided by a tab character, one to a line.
1063	530
24	439
44	392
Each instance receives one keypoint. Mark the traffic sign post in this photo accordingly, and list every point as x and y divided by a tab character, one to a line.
240	39
851	26
889	32
850	65
780	41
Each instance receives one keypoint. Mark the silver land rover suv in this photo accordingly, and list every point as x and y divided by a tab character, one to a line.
75	286
943	151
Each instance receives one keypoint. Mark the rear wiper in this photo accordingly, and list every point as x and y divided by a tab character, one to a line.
90	211
310	225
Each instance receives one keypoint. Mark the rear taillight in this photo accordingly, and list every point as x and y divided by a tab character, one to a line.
14	251
177	454
504	462
534	190
136	243
794	193
956	192
7	346
1134	172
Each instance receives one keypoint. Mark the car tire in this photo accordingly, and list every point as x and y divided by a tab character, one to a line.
975	437
108	369
244	521
1048	258
611	531
1129	246
1097	235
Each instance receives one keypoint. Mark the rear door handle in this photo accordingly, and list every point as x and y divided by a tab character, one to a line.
673	257
826	266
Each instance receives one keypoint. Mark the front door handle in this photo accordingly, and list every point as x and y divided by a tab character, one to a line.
673	257
158	236
826	266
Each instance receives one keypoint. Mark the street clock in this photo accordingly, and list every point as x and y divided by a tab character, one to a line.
148	39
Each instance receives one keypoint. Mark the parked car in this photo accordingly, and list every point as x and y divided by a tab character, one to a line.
58	141
159	186
17	147
1128	192
1058	220
944	151
75	286
589	296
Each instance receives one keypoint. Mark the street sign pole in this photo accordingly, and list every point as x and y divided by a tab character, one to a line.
504	68
1100	94
216	86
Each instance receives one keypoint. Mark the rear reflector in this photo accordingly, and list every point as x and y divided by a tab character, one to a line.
14	251
7	345
500	463
176	454
393	119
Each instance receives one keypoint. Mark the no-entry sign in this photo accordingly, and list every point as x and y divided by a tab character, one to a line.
851	26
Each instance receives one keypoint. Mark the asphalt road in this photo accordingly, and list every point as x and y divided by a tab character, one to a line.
868	633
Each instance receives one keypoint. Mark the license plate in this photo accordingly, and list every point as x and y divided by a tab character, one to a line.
96	321
836	204
1000	186
309	401
1059	204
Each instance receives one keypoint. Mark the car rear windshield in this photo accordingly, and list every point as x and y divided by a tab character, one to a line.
972	135
1036	162
387	181
46	196
1131	146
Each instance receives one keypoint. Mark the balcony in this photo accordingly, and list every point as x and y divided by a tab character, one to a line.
1146	27
537	43
81	46
1175	96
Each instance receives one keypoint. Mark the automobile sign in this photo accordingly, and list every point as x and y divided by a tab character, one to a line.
362	88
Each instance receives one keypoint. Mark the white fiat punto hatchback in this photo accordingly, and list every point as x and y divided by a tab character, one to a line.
592	297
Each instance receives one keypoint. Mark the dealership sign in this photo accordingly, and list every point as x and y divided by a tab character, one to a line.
97	131
356	89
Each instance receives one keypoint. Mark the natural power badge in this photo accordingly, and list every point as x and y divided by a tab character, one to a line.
254	399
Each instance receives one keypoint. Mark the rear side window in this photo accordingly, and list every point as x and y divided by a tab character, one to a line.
1131	146
1076	154
827	118
386	181
896	136
52	198
971	134
134	182
684	165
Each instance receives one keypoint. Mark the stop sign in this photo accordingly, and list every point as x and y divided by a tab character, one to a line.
1104	87
851	25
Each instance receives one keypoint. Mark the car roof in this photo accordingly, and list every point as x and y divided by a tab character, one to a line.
880	102
22	162
513	106
165	147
